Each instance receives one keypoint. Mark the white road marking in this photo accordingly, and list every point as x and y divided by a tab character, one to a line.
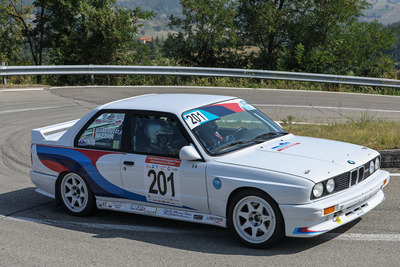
362	237
27	109
320	107
218	231
21	89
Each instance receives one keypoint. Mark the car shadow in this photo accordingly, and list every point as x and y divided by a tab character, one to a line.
26	204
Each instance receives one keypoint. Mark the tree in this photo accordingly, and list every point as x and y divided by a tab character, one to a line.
29	31
10	36
320	36
91	31
206	35
394	53
13	28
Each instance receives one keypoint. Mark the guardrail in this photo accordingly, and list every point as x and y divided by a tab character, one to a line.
193	71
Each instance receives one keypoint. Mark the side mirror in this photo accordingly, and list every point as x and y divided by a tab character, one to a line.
189	153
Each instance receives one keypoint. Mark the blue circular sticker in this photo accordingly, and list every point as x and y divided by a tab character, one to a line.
217	183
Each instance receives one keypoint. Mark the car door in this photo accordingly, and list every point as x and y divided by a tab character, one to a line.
155	175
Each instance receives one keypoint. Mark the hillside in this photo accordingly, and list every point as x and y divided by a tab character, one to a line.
163	8
385	11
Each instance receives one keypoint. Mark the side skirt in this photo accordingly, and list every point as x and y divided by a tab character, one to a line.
167	213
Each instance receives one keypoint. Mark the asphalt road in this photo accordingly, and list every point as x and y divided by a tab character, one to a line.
33	232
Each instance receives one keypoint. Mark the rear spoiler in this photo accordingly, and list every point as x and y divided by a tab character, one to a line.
56	130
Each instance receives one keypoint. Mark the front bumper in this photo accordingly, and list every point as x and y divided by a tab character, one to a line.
309	220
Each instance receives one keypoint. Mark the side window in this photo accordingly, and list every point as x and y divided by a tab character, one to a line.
104	132
158	135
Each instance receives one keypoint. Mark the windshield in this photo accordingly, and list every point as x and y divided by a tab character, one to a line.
230	125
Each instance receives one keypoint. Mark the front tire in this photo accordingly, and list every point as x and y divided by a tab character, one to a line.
255	218
76	195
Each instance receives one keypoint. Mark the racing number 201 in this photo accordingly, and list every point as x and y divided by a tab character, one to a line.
161	181
196	117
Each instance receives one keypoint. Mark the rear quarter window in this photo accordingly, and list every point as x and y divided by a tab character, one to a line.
105	132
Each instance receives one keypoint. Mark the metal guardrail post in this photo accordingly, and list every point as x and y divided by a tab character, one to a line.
4	77
91	76
177	80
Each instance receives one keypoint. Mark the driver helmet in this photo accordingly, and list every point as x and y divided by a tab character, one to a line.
153	129
210	127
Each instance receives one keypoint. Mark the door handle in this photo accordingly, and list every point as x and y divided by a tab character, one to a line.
129	163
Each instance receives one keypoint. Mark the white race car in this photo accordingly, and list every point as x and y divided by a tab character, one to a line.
207	159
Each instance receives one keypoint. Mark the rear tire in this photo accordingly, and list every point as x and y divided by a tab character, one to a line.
255	218
76	195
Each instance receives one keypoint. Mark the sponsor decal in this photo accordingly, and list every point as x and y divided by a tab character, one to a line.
285	145
102	144
337	220
143	209
198	217
163	161
197	117
246	106
217	183
82	142
111	119
306	231
178	213
104	118
360	212
116	145
215	220
91	141
113	205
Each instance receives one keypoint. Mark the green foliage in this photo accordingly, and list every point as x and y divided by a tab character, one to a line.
91	32
207	36
395	52
319	36
11	31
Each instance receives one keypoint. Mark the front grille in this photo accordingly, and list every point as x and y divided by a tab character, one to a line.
349	179
353	177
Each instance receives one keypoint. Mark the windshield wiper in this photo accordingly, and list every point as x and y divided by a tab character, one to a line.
257	139
236	143
268	135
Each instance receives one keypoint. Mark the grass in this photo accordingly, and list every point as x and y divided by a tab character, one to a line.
378	135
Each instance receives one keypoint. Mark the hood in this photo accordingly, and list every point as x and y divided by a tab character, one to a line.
312	158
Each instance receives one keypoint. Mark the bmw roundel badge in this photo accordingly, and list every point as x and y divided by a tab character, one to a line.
351	162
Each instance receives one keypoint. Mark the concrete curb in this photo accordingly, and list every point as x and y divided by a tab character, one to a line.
391	159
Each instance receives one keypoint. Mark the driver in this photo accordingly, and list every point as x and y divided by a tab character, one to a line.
210	137
157	134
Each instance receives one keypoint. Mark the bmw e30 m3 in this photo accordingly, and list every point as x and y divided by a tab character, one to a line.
208	159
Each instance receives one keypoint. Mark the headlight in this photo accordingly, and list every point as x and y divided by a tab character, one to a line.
377	163
330	185
318	190
371	167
